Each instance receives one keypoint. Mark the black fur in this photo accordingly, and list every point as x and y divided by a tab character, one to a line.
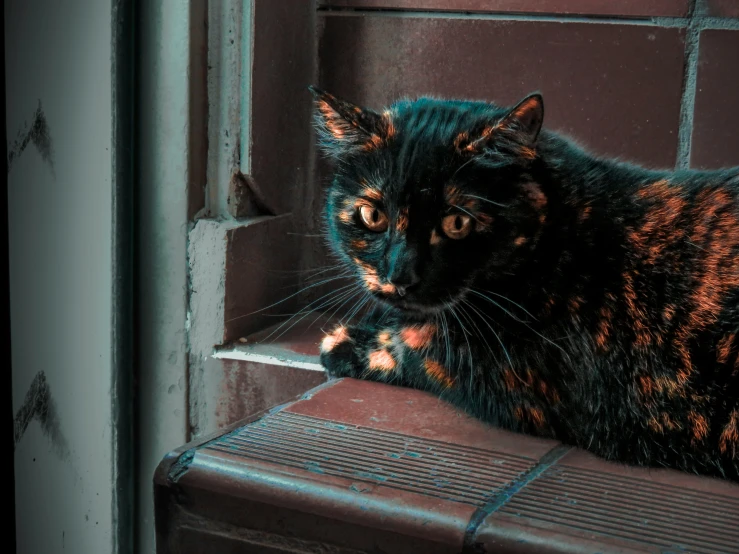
592	301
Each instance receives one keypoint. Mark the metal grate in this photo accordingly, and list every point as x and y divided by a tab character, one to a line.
432	468
673	519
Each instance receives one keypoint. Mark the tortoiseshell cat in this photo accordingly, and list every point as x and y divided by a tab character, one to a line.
535	286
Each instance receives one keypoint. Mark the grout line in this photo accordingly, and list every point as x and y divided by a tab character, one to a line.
700	21
503	496
547	18
687	102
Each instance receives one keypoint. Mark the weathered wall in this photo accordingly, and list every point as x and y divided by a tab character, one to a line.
635	79
169	186
61	120
245	245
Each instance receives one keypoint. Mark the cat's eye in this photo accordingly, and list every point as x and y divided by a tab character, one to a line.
456	226
374	219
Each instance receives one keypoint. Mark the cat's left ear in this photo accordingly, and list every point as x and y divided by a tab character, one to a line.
525	120
518	129
344	128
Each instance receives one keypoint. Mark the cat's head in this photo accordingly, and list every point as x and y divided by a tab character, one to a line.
430	197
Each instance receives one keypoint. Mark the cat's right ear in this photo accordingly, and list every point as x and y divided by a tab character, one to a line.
344	128
514	133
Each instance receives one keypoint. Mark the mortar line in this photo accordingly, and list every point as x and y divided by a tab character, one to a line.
546	18
687	101
700	20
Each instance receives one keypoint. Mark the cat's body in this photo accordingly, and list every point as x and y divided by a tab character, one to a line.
536	287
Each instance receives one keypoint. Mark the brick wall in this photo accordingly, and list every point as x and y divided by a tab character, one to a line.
651	81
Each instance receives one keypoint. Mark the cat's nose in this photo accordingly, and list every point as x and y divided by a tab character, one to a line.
404	281
401	271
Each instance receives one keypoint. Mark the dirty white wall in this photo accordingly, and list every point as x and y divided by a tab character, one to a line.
62	179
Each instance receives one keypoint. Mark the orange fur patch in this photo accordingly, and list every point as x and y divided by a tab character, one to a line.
381	360
385	338
372	280
662	423
388	288
669	312
585	214
401	223
345	217
650	386
372	193
482	221
549	392
729	439
716	219
333	122
637	313
549	305
603	332
476	145
418	337
533	415
646	385
358	244
723	349
520	241
435	238
535	195
334	338
375	141
461	140
510	379
387	118
529	378
452	194
666	205
669	387
699	425
438	373
574	304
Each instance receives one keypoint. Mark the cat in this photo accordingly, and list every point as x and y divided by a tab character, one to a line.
535	286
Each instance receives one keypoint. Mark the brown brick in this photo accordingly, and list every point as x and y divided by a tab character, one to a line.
723	8
716	121
615	88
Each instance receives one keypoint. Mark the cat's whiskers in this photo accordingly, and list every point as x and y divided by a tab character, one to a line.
537	333
314	270
511	301
486	200
464	333
479	331
447	340
322	282
341	300
384	314
305	311
485	318
461	167
470	318
465	211
345	299
356	308
473	291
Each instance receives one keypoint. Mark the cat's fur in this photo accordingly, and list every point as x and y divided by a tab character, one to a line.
592	301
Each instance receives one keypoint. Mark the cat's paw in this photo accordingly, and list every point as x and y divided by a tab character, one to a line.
361	352
337	353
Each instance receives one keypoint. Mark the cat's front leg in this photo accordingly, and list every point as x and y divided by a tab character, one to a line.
361	351
397	354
